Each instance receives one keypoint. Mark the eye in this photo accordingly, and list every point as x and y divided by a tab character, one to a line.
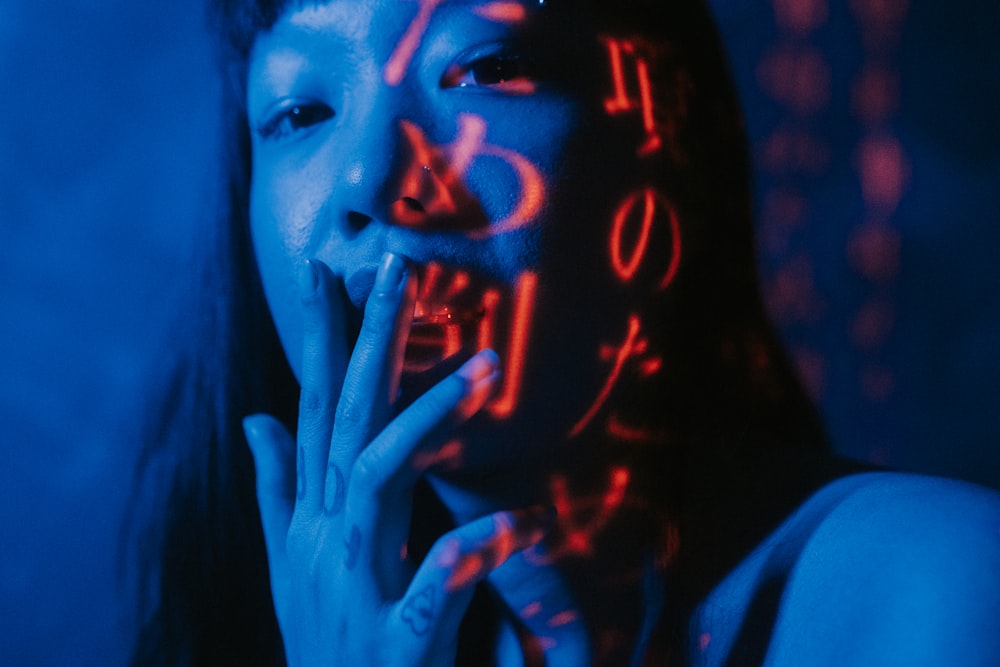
503	72
291	117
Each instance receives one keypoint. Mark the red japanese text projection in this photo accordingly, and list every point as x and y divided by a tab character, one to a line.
581	519
450	314
433	188
639	217
399	61
633	351
625	258
632	92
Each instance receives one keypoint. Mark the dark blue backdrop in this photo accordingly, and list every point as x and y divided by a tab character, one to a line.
874	126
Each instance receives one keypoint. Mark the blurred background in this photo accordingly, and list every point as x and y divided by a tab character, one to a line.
876	130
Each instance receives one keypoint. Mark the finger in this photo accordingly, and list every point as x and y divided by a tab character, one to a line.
378	503
324	354
372	374
273	450
431	611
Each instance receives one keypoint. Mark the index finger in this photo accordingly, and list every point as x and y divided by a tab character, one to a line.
372	377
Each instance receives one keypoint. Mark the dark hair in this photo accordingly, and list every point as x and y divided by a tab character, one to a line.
200	549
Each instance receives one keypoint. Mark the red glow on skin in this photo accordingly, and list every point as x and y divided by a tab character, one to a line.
621	101
401	56
531	610
578	534
532	191
562	618
449	456
703	641
524	303
621	431
436	343
616	494
465	572
622	354
468	568
434	178
626	268
501	12
479	376
546	643
430	180
432	302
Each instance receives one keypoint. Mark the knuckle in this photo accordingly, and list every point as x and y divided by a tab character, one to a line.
314	402
369	473
349	413
377	318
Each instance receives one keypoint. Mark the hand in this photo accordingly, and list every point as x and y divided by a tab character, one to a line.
335	504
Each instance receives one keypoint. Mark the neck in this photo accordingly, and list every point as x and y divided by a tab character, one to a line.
582	596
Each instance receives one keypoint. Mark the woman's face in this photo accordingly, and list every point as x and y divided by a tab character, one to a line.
479	139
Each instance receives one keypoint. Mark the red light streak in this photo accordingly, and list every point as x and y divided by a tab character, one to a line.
563	618
466	568
620	431
434	177
626	267
578	534
531	610
532	191
501	12
524	302
621	101
622	354
430	180
401	56
449	456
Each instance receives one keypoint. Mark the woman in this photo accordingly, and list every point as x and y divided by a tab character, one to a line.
507	253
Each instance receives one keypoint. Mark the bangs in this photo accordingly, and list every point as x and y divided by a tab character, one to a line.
238	22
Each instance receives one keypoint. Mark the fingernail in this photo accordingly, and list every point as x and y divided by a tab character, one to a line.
308	279
390	273
480	374
483	364
251	430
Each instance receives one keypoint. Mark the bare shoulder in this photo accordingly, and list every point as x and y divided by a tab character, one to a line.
902	570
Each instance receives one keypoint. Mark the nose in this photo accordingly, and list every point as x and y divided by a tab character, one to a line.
374	160
397	174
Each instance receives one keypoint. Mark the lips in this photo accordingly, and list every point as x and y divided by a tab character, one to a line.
359	286
443	315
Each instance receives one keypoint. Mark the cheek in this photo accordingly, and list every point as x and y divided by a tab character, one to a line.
281	226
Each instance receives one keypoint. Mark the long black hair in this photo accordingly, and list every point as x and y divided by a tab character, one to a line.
198	544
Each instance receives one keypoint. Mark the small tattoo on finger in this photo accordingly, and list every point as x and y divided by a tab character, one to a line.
334	502
300	478
353	545
418	612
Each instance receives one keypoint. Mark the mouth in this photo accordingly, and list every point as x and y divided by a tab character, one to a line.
432	314
448	314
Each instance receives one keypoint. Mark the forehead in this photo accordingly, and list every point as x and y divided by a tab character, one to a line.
362	19
311	34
